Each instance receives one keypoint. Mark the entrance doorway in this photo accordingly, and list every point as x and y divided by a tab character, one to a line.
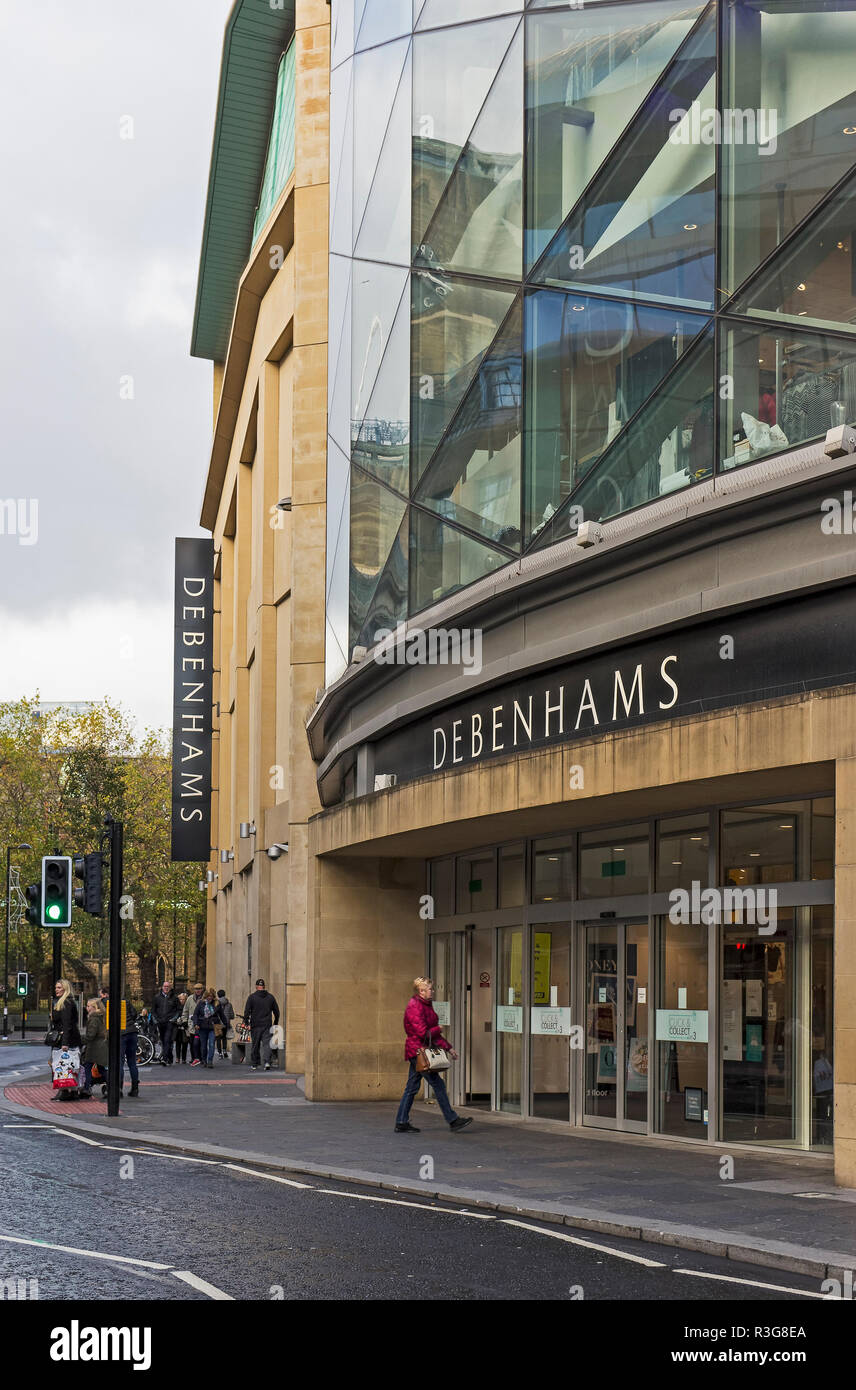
475	950
615	984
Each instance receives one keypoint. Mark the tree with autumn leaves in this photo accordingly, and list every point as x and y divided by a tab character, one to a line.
61	772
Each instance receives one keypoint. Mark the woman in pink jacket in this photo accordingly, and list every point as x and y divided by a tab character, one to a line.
422	1026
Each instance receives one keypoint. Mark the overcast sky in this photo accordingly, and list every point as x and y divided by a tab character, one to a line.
99	246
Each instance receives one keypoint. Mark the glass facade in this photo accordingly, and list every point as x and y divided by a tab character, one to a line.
582	257
590	985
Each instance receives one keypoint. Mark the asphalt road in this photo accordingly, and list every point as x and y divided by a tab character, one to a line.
146	1224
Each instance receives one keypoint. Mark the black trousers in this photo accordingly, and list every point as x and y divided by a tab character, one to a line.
261	1041
167	1033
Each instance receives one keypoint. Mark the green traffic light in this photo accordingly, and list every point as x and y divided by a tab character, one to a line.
54	912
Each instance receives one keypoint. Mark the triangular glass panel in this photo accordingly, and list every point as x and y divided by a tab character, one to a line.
812	280
339	376
384	20
478	225
445	559
587	73
453	324
382	446
453	70
474	477
376	296
377	78
389	601
667	446
342	162
646	225
789	95
376	515
590	365
385	231
338	493
436	13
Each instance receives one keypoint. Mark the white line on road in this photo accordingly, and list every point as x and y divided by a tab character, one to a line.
590	1244
271	1177
90	1254
398	1202
196	1283
750	1283
27	1124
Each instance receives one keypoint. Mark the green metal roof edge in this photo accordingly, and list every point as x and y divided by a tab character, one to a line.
259	31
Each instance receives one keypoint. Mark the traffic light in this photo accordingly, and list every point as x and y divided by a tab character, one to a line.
34	898
88	868
23	983
56	890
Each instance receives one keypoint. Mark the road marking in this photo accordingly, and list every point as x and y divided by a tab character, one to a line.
589	1244
90	1254
196	1283
398	1202
28	1124
270	1177
93	1143
750	1283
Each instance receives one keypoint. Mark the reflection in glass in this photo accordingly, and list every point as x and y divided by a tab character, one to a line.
822	1035
636	1057
553	872
474	477
667	447
437	12
377	74
376	515
384	20
645	226
785	386
478	224
476	882
614	861
760	1031
453	70
759	844
587	73
602	1044
682	852
550	1055
453	324
388	604
811	282
590	365
509	1018
385	231
512	876
793	65
448	559
682	1066
382	446
443	887
376	296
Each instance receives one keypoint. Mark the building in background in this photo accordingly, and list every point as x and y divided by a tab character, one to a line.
261	318
591	303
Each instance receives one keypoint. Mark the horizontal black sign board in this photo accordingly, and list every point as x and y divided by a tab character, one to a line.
762	653
192	689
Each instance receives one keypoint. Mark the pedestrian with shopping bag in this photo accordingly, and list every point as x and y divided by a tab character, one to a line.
206	1016
428	1054
63	1038
94	1047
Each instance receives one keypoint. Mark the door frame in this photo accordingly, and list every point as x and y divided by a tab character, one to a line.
578	1079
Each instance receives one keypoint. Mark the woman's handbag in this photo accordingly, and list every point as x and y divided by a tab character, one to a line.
430	1058
244	1033
53	1037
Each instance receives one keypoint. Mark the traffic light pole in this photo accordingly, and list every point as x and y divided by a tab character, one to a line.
6	964
114	1032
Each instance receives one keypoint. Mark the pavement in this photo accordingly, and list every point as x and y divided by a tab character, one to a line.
778	1210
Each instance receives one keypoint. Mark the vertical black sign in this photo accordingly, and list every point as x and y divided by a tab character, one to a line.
191	716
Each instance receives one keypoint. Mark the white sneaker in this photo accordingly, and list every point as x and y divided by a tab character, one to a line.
267	1066
253	1068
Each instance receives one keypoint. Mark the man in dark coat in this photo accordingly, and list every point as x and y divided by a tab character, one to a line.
261	1011
165	1012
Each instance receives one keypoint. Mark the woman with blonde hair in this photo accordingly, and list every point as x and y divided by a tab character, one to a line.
94	1047
422	1029
64	1040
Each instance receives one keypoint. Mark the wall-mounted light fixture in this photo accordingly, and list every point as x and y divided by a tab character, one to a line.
247	829
210	875
226	855
276	850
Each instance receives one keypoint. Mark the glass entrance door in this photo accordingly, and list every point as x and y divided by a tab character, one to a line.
615	1065
477	1002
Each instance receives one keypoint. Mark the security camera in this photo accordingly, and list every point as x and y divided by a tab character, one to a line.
276	850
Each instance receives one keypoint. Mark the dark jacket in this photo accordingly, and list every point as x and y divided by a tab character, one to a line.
165	1007
95	1041
207	1020
65	1019
261	1009
228	1011
131	1017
